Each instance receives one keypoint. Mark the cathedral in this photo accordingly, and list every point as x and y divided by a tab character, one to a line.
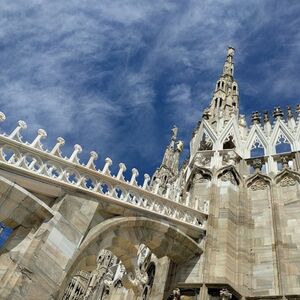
221	225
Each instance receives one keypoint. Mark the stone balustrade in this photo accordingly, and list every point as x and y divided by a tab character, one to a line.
51	165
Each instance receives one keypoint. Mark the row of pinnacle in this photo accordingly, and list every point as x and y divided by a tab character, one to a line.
277	114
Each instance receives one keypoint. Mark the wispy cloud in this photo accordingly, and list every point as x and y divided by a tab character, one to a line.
115	76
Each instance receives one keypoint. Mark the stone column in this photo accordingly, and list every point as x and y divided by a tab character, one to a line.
297	160
196	191
203	293
160	278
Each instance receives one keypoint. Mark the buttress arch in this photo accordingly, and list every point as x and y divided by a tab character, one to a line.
122	235
21	211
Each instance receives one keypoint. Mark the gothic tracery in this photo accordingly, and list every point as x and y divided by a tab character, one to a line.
107	279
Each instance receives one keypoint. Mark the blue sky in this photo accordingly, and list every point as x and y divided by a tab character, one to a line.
4	234
114	76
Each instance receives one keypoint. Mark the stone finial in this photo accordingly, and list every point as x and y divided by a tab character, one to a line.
267	124
146	181
266	116
135	173
179	146
174	133
16	134
57	148
225	294
277	113
108	163
74	158
37	141
230	51
93	156
298	109
121	171
22	124
156	185
243	126
2	116
289	112
255	117
242	121
206	114
291	120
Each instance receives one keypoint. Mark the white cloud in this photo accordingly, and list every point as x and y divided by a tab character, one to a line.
180	94
105	73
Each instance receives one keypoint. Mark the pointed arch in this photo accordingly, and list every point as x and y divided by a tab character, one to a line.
205	127
121	235
231	129
281	135
204	172
20	212
208	130
258	181
256	139
235	177
287	177
206	142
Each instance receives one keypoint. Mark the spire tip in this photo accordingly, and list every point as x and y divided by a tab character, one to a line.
230	51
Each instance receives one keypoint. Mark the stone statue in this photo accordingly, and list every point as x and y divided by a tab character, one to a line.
176	294
180	146
174	133
205	143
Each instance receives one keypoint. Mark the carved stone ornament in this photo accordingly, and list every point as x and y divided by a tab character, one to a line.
259	184
230	158
285	161
199	178
225	294
144	254
287	181
277	113
228	176
255	117
205	143
176	294
257	164
135	281
202	160
266	116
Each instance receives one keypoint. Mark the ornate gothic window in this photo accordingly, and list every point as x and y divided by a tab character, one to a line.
282	144
229	142
106	280
149	284
77	286
206	142
257	148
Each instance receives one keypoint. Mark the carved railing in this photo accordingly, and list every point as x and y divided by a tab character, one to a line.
68	171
